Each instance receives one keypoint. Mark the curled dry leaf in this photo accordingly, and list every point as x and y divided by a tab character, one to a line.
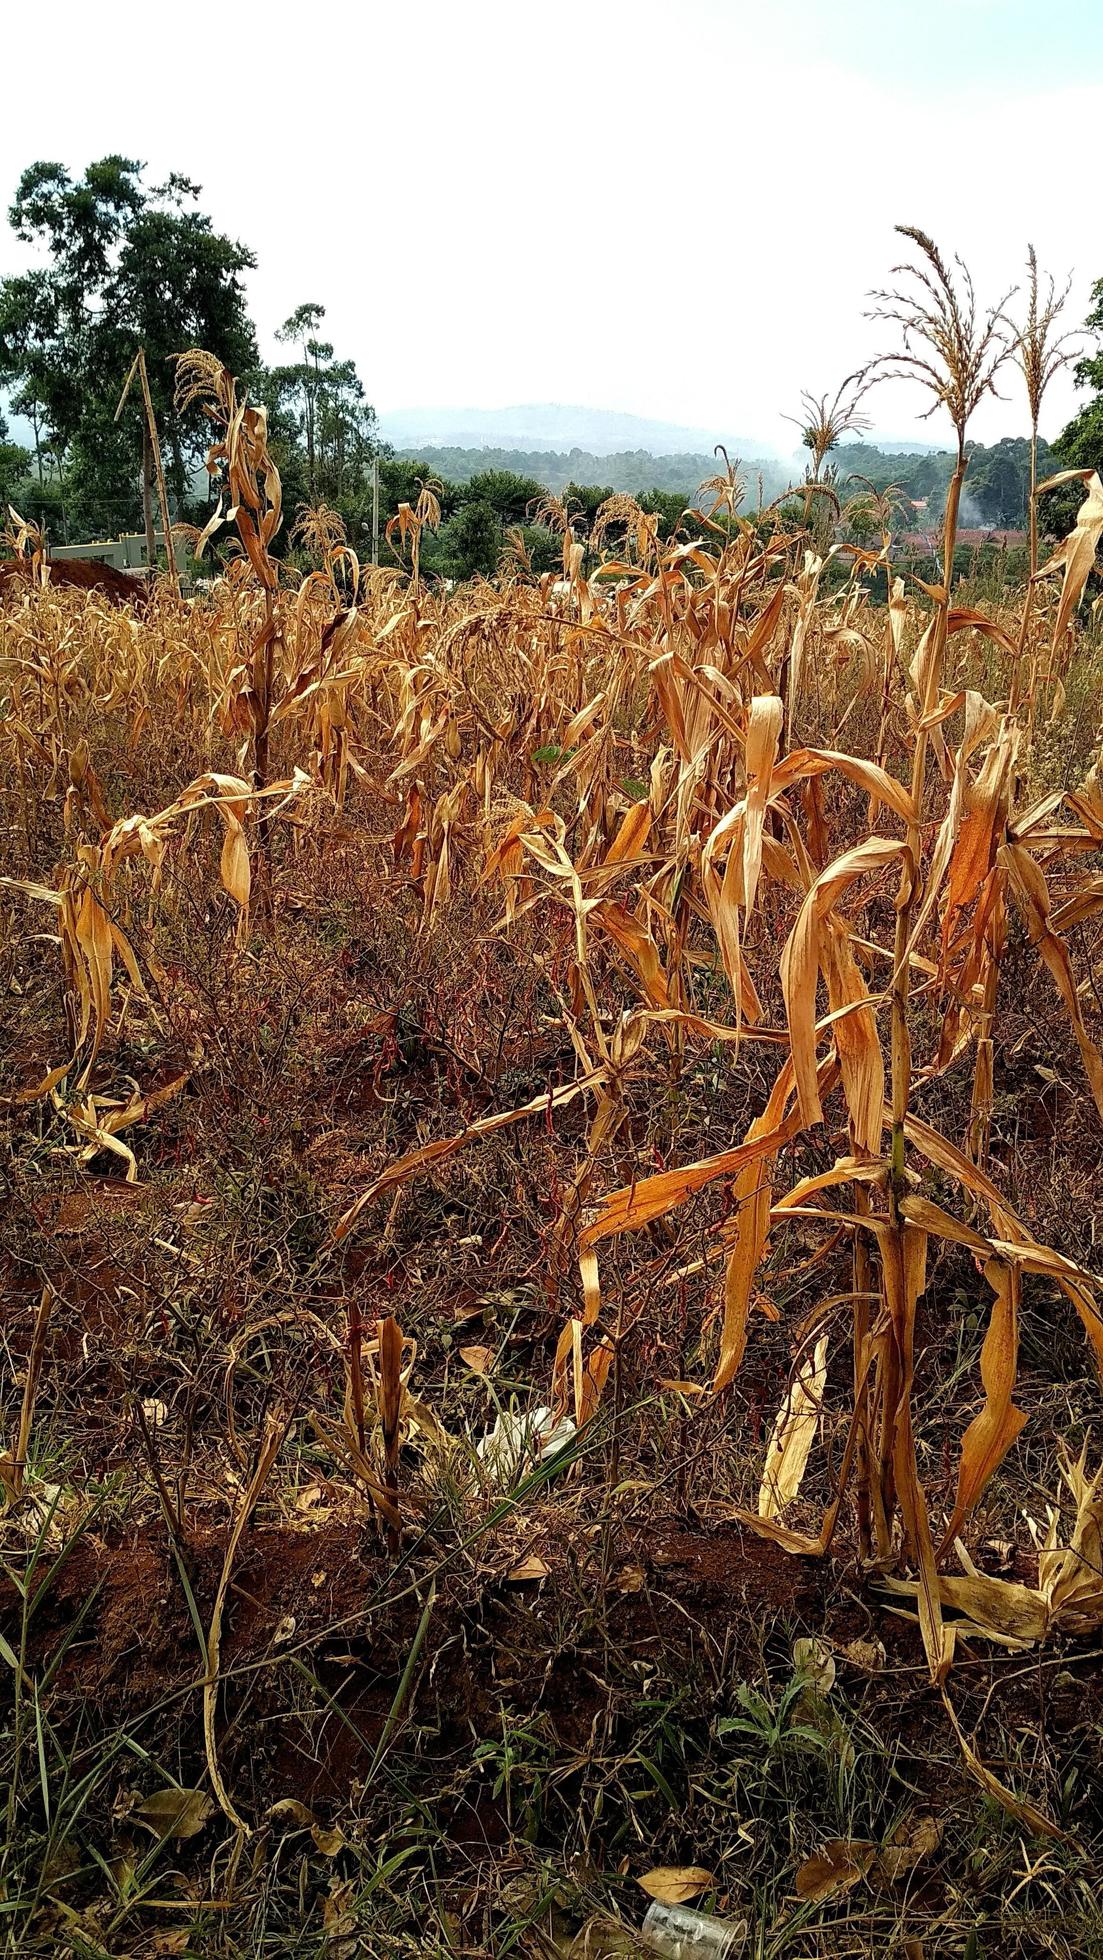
813	1658
290	1811
807	948
631	1579
836	1867
915	1838
869	1655
992	1432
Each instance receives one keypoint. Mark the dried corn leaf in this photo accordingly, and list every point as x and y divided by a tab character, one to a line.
752	1192
1071	1577
800	961
632	835
634	1205
794	1433
904	1268
1077	554
877	782
415	1161
1024	1812
856	1040
763	734
992	1432
1032	895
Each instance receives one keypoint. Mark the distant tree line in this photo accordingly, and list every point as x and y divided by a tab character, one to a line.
997	487
634	471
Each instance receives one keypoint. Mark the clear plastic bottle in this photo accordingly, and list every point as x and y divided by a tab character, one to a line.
680	1933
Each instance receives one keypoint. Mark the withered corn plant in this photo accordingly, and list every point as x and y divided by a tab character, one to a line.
410	520
1040	353
249	486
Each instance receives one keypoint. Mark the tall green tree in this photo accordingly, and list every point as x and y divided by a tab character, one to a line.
301	380
1080	444
319	402
998	482
15	461
510	497
125	265
475	538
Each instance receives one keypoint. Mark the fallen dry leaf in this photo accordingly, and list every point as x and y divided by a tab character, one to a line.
794	1433
294	1811
813	1658
836	1867
672	1885
1023	1811
530	1568
478	1359
914	1838
173	1813
869	1655
631	1579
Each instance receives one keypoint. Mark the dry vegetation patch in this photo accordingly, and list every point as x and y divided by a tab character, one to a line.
552	1314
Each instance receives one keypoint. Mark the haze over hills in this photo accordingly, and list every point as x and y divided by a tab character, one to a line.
562	426
557	444
556	426
559	427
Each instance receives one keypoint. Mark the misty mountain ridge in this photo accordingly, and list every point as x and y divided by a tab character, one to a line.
555	426
561	426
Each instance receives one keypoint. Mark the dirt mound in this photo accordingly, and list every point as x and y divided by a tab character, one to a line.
85	574
325	1600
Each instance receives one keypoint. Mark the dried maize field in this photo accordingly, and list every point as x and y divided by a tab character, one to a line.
552	1322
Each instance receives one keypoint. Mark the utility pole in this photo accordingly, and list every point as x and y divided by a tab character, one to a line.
375	510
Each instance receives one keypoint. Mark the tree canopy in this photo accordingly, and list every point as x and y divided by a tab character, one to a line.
128	266
14	464
1081	443
317	404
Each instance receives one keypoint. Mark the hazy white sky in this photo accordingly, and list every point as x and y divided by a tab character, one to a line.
674	210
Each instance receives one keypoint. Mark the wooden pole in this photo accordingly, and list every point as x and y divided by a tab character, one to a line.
147	506
375	510
162	493
151	468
